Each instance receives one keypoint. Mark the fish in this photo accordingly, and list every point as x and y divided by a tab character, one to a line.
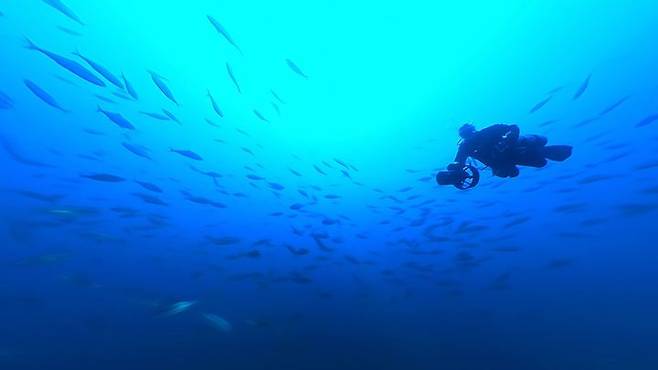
122	95
218	322
276	108
296	173
17	157
276	96
187	153
50	198
211	123
149	186
178	307
297	251
223	241
68	64
547	123
647	165
43	95
586	121
260	116
117	118
69	31
596	178
231	75
319	170
138	150
109	76
147	198
158	116
295	68
62	8
296	206
171	116
647	120
559	263
582	88
213	175
540	104
255	177
104	177
6	102
636	209
102	98
222	31
129	87
159	81
275	186
614	105
215	106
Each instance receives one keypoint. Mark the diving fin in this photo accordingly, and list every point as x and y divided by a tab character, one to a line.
558	152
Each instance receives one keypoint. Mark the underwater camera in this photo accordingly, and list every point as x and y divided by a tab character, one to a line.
463	178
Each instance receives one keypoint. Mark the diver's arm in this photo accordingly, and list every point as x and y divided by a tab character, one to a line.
462	154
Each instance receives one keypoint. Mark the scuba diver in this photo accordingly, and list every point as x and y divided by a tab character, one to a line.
501	148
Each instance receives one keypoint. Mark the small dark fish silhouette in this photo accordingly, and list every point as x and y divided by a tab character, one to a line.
647	120
539	105
215	106
222	31
231	75
159	81
147	198
223	241
117	118
101	70
582	88
614	105
596	178
276	96
149	186
295	68
297	251
138	150
319	170
158	116
17	157
129	87
275	186
69	31
171	116
260	116
187	153
547	123
68	64
62	8
5	101
43	95
104	177
559	263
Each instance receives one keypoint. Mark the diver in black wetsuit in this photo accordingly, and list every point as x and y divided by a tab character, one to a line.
502	149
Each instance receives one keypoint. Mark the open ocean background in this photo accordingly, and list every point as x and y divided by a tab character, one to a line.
296	224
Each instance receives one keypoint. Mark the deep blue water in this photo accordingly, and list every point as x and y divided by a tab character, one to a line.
297	224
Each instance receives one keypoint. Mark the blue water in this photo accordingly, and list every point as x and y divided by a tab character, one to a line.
304	228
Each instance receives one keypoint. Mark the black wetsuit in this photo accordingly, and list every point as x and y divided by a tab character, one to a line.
489	146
